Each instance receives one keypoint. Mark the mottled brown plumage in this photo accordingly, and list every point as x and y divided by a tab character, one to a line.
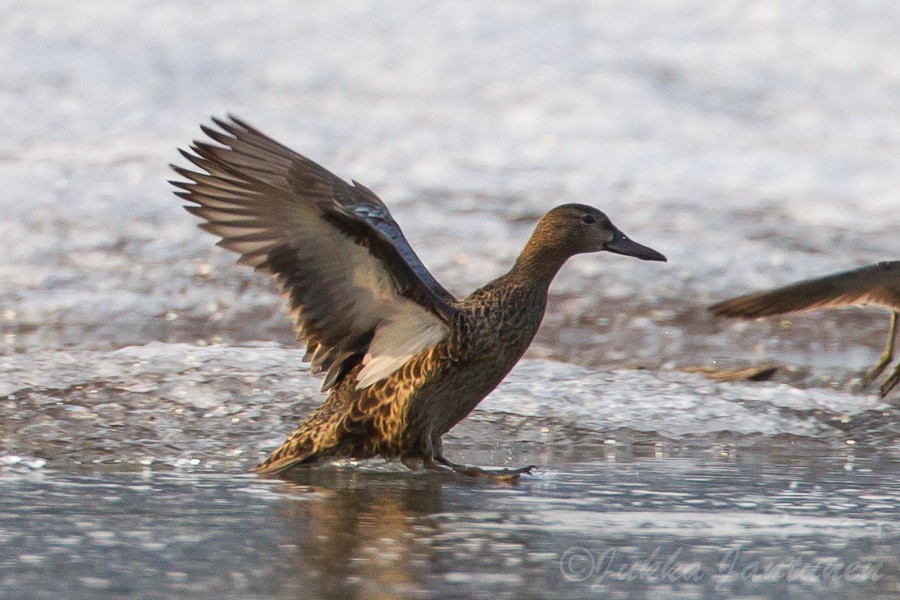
404	360
877	284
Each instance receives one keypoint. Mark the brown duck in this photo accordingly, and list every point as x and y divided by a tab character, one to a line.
404	361
877	284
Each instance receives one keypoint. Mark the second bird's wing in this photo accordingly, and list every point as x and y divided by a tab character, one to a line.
874	284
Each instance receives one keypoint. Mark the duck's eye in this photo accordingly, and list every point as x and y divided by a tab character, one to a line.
589	219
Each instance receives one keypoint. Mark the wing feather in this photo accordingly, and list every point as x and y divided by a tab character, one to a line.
355	289
873	284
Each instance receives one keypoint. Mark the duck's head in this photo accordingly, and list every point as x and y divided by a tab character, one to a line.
578	228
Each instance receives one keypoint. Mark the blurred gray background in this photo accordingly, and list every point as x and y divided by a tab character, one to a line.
753	143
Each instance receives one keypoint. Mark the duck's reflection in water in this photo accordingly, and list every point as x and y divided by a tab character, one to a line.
358	534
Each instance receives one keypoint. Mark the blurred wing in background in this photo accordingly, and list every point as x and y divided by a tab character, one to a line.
874	284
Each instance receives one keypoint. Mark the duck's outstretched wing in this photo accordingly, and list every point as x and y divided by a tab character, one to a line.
874	284
355	288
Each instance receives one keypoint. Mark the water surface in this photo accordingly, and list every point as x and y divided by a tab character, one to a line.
666	528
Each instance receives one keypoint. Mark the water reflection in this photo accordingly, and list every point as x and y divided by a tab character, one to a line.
803	528
356	533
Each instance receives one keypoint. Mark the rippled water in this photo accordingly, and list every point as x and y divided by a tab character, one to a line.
142	373
810	527
126	481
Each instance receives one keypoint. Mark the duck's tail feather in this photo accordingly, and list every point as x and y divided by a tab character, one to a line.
295	451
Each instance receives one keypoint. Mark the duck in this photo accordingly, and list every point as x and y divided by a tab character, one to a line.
877	284
402	360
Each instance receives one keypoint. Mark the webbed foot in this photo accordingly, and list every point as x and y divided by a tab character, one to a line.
873	373
886	357
501	473
890	382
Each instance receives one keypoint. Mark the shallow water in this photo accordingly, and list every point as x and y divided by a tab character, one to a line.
142	373
810	527
127	482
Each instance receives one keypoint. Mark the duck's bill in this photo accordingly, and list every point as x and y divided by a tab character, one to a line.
620	244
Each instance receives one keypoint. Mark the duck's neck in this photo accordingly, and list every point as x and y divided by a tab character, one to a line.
538	263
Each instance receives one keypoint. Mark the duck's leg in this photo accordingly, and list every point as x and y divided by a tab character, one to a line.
433	465
472	471
885	357
429	464
890	382
411	463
